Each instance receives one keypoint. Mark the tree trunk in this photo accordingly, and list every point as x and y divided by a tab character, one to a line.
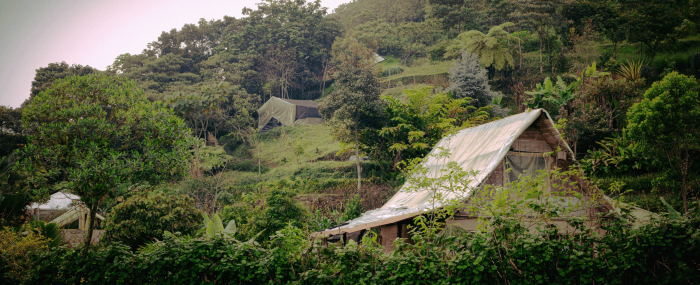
541	43
549	53
259	168
91	228
684	173
520	52
357	157
684	193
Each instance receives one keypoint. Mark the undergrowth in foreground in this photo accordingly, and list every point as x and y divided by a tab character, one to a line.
667	252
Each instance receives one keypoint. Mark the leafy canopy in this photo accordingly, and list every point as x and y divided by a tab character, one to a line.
493	48
98	135
420	119
667	122
143	218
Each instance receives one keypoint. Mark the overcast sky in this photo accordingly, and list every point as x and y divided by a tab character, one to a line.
34	33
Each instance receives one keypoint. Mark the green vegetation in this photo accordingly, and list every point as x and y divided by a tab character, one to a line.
675	99
143	218
165	135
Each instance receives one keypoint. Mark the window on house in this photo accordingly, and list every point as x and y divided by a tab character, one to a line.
525	164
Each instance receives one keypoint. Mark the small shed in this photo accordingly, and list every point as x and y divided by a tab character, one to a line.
520	141
278	112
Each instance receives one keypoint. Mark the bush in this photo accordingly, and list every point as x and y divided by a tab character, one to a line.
667	252
391	71
247	166
15	248
281	209
248	217
145	217
353	209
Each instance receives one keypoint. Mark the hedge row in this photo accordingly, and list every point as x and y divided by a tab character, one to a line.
664	253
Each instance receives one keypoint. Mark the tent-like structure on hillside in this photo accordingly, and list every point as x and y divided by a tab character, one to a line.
278	112
519	141
378	58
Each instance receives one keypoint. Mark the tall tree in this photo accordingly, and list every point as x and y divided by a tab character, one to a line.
355	96
300	30
468	79
652	22
45	76
97	136
458	15
538	15
667	121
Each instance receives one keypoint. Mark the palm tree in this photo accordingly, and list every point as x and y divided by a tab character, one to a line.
494	48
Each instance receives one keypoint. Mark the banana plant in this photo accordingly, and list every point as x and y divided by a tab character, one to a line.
214	226
558	94
592	72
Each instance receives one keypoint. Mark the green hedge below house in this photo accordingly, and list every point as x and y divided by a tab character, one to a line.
664	253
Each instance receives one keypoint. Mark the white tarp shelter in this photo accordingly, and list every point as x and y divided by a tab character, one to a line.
58	201
483	149
69	205
378	58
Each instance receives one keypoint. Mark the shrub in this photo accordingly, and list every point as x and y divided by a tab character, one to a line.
281	210
391	71
666	252
353	209
50	231
15	248
145	217
248	217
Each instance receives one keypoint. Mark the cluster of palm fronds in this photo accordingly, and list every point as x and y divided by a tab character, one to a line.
632	70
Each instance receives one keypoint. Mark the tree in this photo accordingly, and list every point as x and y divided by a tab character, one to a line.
45	76
559	95
97	136
536	14
215	107
144	217
356	95
493	48
350	52
11	131
654	21
14	193
420	119
457	14
468	79
667	122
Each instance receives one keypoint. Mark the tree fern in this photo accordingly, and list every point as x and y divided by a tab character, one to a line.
494	48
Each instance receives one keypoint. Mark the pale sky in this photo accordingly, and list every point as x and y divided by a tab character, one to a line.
34	33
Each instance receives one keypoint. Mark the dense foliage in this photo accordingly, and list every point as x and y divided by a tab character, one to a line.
97	136
667	121
354	101
392	78
664	253
143	218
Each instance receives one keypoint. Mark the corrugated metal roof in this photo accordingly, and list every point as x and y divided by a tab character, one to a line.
480	148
